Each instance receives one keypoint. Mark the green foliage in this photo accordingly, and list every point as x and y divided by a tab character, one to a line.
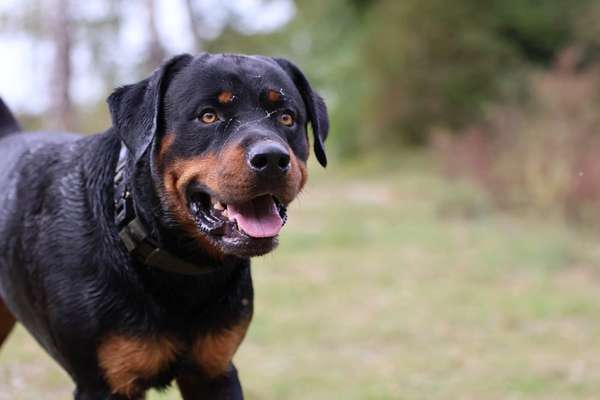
537	31
439	64
435	63
541	159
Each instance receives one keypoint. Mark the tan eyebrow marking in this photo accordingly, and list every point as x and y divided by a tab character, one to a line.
226	97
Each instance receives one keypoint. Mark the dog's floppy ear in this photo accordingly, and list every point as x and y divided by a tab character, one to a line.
135	109
317	110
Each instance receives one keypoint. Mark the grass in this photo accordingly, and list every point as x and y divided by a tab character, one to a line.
391	283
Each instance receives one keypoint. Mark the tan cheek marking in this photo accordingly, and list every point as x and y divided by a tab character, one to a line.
225	97
128	361
236	174
238	181
181	172
214	352
297	176
176	178
203	169
303	174
165	144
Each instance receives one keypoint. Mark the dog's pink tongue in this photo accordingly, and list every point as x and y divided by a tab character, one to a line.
259	217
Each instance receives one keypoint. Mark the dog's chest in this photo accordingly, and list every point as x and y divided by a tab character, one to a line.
129	363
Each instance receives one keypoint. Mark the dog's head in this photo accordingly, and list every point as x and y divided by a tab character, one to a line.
228	142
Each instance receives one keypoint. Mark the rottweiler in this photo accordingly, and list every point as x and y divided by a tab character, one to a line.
126	254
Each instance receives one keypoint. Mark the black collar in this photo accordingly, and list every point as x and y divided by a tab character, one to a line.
134	235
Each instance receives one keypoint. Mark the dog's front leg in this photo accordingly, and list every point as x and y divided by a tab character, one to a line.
197	387
86	394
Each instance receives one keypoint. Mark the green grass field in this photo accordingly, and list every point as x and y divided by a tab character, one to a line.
391	283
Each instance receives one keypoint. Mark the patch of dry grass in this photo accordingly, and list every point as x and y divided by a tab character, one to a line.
377	293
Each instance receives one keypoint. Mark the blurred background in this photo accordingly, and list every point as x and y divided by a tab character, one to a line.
450	249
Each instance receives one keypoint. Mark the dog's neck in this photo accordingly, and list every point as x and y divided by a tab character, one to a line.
139	214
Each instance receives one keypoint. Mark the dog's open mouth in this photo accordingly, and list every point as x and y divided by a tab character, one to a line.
259	219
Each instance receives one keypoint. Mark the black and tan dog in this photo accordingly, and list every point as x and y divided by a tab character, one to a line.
126	254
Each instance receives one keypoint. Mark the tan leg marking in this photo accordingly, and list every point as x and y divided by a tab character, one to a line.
7	322
127	361
165	144
214	352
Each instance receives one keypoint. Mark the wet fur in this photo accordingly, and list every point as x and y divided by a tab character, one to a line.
115	325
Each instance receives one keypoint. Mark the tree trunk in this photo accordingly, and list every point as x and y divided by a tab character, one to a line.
156	52
61	106
194	25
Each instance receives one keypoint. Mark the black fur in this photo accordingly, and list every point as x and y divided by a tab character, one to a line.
8	123
64	272
315	106
135	108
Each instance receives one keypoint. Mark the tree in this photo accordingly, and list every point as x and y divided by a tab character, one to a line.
193	21
439	63
60	86
156	52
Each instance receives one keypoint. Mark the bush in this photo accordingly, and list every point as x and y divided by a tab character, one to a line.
541	156
439	64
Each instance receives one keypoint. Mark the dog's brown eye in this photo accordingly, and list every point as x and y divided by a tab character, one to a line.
208	117
286	119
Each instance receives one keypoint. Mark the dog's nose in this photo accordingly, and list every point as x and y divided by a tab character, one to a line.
269	158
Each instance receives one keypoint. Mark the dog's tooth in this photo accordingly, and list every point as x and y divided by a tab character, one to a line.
218	206
225	213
